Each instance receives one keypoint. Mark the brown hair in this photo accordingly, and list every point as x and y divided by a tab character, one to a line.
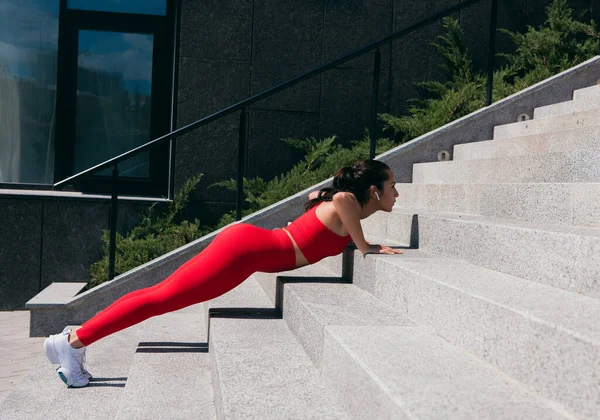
355	179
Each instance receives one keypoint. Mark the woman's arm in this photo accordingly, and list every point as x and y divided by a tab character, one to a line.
313	195
348	209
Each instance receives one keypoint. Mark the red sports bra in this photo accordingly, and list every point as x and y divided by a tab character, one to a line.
315	240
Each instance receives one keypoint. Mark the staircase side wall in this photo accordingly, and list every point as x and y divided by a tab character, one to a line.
49	239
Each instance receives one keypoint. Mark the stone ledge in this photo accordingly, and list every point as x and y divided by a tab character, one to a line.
57	295
43	194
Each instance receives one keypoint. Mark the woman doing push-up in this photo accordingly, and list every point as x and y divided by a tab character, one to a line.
331	220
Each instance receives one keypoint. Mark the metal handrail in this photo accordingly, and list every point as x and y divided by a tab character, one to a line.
269	92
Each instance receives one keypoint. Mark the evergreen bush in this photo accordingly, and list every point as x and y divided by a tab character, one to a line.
560	43
154	236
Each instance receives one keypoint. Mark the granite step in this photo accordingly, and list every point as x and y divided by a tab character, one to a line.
562	141
566	108
42	395
34	394
409	373
569	204
586	94
545	337
560	167
264	373
170	375
260	371
545	125
382	365
309	308
583	100
268	281
567	257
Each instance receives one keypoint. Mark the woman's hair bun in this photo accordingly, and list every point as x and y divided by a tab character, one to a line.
355	179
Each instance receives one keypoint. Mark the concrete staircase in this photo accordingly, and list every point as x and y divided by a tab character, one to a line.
493	311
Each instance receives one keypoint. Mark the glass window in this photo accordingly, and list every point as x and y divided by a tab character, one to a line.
144	7
114	83
28	46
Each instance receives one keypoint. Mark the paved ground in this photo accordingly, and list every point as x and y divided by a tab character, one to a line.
18	352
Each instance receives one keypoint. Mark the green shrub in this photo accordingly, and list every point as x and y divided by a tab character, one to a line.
154	236
322	159
559	44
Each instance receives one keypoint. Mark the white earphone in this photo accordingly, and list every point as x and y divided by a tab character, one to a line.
377	195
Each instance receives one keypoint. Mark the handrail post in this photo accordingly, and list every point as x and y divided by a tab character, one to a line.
113	224
241	165
492	51
374	102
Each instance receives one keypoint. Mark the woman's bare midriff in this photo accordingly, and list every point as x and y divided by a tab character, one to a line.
301	260
327	217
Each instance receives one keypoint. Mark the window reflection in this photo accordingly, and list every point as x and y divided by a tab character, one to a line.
114	81
28	45
145	7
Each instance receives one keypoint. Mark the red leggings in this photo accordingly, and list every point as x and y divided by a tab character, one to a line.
234	254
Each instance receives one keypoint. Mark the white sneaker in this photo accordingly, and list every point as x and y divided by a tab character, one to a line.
53	357
58	348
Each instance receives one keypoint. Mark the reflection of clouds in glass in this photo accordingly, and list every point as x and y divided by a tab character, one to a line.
143	42
29	38
28	8
133	58
27	29
12	53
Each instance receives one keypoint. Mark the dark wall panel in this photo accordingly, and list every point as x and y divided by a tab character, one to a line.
72	238
268	156
212	149
216	29
287	42
353	24
20	231
213	85
346	102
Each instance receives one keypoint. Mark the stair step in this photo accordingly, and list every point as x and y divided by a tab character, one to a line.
264	373
569	107
537	144
545	125
268	281
109	360
171	360
404	372
543	336
567	257
572	166
363	348
26	401
309	308
585	94
569	204
42	395
260	371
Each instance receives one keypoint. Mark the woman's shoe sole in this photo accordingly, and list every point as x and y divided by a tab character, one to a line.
63	375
